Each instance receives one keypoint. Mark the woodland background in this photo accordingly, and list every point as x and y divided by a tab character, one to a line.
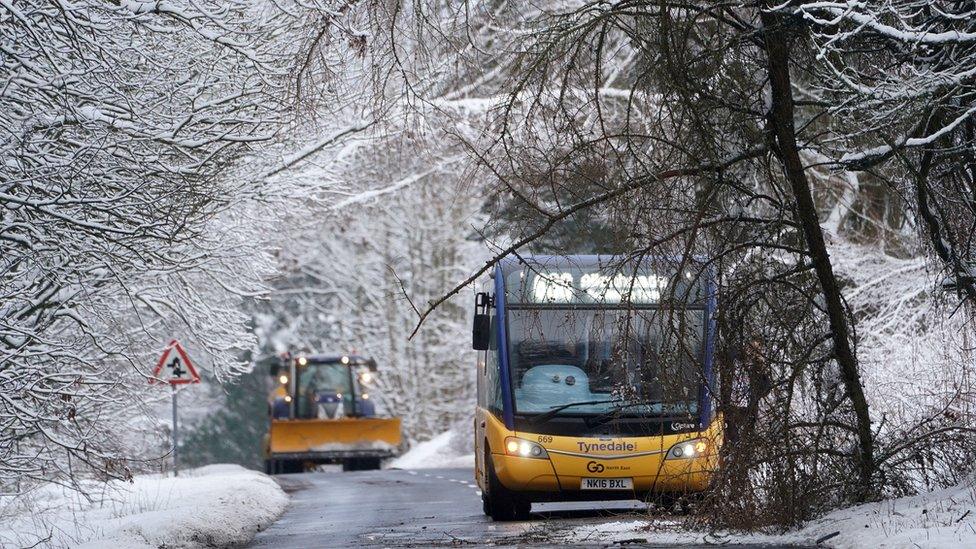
255	176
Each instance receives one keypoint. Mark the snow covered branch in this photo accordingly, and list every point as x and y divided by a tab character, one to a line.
117	119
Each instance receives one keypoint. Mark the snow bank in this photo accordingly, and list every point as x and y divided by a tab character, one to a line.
218	505
943	518
935	520
434	453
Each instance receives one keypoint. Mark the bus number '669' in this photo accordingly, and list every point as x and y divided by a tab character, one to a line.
544	438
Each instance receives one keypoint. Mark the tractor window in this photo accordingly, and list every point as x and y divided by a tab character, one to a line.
325	389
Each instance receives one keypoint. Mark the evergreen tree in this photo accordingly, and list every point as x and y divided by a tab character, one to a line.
235	432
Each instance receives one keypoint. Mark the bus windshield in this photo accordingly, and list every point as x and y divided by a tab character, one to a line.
635	362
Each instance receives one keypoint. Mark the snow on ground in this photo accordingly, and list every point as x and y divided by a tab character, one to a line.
217	505
943	518
665	533
436	452
940	519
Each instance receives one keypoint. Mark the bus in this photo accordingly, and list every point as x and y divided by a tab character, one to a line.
595	381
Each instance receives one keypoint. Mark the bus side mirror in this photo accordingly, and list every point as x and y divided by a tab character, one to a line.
481	333
481	330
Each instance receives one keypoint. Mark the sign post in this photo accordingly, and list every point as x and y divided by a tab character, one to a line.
179	370
176	437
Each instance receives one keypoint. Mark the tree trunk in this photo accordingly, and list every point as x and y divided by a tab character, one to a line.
781	121
939	234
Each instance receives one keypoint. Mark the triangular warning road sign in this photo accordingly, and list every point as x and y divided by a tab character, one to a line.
174	367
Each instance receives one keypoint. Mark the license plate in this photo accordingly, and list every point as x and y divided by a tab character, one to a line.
607	484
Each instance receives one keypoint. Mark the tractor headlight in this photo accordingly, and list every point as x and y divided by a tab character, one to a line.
688	449
524	448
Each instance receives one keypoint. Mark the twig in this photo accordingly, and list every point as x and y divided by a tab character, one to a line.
403	289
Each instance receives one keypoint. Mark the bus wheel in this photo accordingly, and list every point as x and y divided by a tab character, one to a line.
499	502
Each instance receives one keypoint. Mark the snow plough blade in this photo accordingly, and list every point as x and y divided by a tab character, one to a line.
335	438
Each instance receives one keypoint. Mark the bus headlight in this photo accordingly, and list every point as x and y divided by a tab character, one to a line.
688	449
524	448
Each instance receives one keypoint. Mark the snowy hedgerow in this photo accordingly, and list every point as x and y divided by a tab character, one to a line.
116	120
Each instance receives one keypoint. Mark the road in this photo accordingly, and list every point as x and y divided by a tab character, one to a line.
423	508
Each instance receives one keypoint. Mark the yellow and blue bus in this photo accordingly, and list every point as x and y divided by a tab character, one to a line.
595	381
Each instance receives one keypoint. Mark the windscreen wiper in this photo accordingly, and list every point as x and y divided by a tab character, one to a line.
614	412
552	413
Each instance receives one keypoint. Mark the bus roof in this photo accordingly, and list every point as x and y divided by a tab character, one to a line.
554	279
513	263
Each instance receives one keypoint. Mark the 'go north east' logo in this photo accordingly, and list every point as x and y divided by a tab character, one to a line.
595	467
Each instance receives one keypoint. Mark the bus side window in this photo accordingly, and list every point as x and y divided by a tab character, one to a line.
482	358
493	386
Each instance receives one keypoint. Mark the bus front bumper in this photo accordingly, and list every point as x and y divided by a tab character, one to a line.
561	477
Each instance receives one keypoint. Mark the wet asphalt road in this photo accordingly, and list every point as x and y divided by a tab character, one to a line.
423	508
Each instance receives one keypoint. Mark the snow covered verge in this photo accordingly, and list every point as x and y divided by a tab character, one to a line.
217	505
444	450
940	519
943	518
